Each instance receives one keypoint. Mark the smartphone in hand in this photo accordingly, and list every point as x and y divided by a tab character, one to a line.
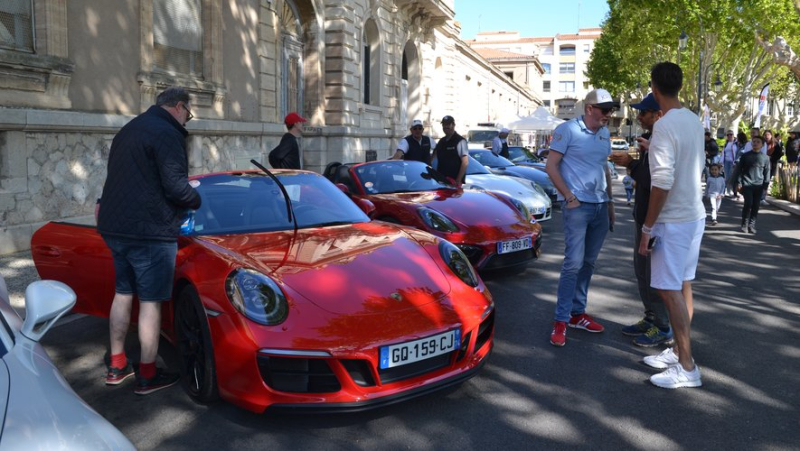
652	243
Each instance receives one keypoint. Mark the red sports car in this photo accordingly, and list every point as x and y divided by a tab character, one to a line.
494	231
304	305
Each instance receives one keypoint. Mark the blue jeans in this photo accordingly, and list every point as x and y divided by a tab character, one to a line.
727	168
585	229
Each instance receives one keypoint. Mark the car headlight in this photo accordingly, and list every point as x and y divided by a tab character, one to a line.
522	208
437	221
539	189
256	296
458	263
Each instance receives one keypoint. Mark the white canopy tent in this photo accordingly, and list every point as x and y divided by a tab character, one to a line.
541	119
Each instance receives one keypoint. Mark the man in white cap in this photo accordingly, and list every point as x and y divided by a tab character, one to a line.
500	143
415	146
577	165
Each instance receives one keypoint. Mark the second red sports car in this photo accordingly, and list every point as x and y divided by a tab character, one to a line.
493	230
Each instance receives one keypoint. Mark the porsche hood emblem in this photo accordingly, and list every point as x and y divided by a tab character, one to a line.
396	296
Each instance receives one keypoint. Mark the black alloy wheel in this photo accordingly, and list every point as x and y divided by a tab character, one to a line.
195	350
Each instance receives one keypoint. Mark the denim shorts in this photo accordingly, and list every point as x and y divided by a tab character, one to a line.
145	268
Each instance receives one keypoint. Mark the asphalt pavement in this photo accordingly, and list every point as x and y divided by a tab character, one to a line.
593	393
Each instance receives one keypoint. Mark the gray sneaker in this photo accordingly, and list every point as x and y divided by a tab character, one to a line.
640	328
666	359
677	377
654	337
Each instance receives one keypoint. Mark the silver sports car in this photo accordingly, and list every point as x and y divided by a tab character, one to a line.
38	409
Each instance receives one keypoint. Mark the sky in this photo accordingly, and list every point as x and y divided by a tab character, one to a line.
532	18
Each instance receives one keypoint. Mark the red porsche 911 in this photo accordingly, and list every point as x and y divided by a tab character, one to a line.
494	231
304	304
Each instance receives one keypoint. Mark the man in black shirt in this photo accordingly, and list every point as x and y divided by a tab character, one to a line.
415	146
654	328
452	152
287	154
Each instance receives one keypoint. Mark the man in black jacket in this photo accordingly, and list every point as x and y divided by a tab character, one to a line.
145	197
287	154
451	152
654	328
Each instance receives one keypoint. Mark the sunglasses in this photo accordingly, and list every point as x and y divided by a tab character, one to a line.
418	128
605	111
190	116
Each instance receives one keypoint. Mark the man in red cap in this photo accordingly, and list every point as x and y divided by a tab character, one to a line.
287	154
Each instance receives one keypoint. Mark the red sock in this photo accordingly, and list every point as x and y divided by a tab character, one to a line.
147	370
119	360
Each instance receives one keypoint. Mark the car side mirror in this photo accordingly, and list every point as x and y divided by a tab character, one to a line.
45	302
366	206
343	188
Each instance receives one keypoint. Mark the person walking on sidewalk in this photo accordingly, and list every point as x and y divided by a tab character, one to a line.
654	328
752	175
728	159
145	196
578	167
675	221
715	189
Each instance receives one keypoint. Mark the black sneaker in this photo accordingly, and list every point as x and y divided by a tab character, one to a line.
116	376
161	380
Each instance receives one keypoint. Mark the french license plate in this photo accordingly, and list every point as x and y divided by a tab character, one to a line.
506	247
424	348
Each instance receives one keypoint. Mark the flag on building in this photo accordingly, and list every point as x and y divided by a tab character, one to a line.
762	104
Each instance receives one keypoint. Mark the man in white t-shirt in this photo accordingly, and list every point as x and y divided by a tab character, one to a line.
500	143
673	227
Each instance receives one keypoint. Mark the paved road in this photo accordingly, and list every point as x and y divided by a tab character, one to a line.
593	393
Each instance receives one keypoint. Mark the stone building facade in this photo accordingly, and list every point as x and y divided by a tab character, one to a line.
73	73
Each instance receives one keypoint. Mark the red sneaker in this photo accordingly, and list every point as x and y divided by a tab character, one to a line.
558	337
585	322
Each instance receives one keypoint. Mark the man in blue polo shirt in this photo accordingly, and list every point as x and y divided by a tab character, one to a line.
577	165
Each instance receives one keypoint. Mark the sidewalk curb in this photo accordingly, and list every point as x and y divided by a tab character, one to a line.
784	205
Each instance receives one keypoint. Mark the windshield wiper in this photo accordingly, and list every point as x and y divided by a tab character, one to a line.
289	210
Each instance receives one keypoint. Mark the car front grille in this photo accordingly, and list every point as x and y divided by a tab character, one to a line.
298	375
473	253
498	261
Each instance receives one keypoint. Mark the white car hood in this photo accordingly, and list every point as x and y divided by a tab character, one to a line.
510	187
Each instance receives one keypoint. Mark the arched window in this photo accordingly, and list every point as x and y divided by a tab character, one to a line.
292	64
371	64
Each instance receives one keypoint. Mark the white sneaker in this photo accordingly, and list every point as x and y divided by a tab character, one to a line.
666	359
677	377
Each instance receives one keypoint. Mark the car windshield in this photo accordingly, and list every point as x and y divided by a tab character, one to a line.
398	176
520	154
487	158
252	202
479	136
475	168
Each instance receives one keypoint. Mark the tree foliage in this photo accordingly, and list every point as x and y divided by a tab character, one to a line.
723	45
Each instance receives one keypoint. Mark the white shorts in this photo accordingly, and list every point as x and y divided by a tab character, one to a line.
676	253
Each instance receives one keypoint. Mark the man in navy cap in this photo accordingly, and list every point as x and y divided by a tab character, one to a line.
654	328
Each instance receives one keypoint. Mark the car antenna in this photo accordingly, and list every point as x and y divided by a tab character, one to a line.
289	210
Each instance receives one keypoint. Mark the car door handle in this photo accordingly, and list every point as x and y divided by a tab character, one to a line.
47	251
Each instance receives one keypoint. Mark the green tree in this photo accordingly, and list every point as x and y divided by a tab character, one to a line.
722	45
